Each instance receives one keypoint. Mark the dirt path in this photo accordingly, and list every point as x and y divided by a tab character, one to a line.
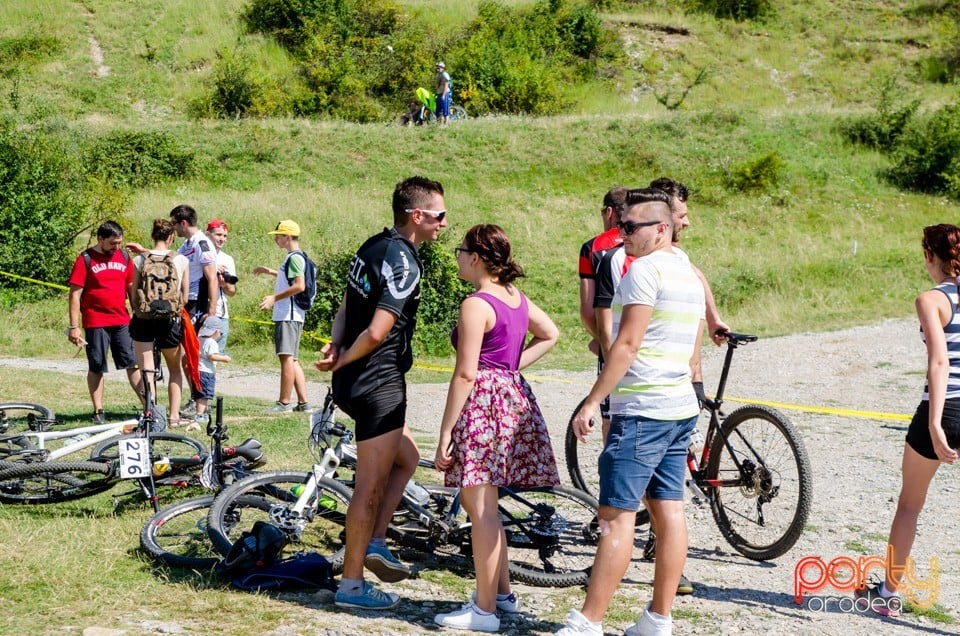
878	369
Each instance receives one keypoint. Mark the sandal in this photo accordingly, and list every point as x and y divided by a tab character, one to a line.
174	423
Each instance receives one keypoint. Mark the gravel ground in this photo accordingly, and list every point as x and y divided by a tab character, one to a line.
846	392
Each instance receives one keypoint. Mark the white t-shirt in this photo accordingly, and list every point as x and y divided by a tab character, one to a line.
208	347
199	251
223	304
657	384
285	309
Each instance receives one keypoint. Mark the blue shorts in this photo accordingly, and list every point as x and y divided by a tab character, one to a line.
208	385
443	105
643	457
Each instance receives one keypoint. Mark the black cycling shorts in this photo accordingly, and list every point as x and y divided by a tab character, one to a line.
918	435
380	411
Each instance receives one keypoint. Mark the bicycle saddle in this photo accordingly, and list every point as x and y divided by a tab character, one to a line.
735	339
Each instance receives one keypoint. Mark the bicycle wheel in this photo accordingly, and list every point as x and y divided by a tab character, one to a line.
320	528
581	457
17	417
53	482
458	113
185	453
760	511
552	534
177	535
582	460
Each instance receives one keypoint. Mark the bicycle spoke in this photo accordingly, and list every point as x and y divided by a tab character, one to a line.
761	490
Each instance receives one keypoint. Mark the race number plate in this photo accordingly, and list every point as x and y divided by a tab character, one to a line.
134	458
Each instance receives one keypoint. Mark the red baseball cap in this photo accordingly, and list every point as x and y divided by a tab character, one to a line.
217	223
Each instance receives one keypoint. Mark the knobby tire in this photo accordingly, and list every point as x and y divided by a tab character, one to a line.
553	542
177	535
269	497
53	482
780	488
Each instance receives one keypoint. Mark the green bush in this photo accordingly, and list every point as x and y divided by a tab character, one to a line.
927	157
362	60
441	293
285	20
27	49
138	159
45	204
758	175
234	88
882	129
739	10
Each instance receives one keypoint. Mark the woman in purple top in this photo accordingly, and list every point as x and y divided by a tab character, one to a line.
493	433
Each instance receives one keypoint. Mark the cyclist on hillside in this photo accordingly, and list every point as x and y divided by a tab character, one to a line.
444	91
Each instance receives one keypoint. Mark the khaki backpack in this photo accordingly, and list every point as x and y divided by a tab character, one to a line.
158	295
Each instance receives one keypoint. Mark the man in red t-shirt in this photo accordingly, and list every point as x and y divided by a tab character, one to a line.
99	286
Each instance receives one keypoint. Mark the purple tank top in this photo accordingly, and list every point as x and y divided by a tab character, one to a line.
503	344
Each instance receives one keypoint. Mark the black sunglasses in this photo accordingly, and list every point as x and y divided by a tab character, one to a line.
457	250
627	228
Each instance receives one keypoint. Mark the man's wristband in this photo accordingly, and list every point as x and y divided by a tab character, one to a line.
73	327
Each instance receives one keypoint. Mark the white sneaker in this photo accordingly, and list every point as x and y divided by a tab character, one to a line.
651	624
468	618
577	623
509	605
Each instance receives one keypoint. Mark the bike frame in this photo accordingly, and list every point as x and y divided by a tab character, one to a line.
715	428
97	433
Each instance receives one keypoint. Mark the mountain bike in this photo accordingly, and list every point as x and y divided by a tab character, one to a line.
177	535
33	473
424	109
753	471
552	533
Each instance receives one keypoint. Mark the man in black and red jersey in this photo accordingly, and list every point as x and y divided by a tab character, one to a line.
592	251
369	354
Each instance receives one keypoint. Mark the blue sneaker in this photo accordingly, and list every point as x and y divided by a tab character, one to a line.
369	599
387	567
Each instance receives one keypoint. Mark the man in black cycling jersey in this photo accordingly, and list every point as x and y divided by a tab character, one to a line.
369	354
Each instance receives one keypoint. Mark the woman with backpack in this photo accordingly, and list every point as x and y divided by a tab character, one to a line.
161	283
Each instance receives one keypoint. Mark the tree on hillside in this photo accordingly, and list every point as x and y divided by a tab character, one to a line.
45	204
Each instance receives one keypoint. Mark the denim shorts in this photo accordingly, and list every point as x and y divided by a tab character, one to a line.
643	457
208	386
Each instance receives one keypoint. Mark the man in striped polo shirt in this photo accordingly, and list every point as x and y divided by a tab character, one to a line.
658	313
